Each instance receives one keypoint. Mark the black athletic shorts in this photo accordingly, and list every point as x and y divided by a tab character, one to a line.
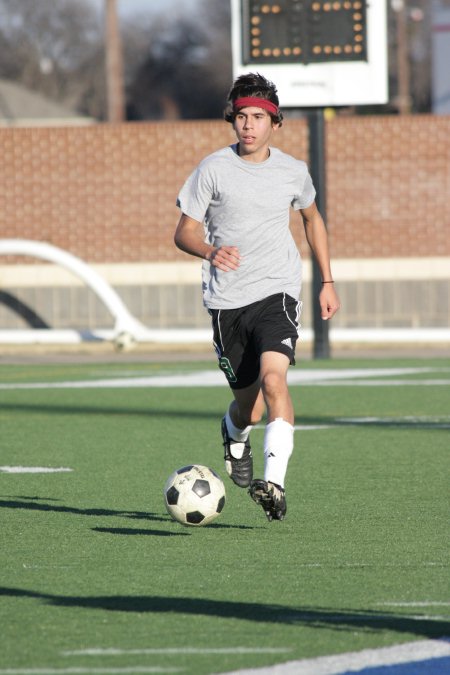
242	335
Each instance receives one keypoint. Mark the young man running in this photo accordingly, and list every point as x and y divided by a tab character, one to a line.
235	215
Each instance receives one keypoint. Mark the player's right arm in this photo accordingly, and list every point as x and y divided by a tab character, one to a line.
189	238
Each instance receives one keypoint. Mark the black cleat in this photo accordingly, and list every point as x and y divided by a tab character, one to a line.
271	497
240	468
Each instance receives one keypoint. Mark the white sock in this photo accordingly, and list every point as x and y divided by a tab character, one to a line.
238	435
278	446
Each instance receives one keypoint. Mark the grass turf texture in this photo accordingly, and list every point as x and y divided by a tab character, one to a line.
90	559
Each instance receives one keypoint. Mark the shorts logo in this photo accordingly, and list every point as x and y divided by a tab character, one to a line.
225	365
287	342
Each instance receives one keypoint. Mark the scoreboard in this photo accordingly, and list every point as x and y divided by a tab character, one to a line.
318	52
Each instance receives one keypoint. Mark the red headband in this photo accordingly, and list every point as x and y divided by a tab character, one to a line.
257	102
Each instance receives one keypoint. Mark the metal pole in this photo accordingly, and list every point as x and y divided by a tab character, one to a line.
321	345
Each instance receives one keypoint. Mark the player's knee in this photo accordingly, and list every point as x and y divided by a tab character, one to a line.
273	384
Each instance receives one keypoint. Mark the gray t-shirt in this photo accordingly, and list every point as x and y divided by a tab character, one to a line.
246	204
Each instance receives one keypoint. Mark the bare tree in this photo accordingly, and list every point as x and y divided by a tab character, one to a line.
53	48
187	68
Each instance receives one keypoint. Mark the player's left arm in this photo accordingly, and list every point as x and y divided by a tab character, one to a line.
317	238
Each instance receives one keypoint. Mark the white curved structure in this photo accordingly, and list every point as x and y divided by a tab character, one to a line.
127	329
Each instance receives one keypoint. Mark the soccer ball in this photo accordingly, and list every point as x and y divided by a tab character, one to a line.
194	495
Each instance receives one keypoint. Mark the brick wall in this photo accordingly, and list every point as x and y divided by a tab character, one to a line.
389	186
107	193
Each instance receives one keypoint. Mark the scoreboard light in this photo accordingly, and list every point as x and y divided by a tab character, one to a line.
319	53
300	31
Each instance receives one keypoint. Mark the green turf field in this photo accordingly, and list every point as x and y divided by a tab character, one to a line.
95	576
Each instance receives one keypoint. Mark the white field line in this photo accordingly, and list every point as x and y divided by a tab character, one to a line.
411	652
184	651
89	671
420	603
369	618
383	383
420	421
214	378
407	418
338	618
34	469
49	566
358	565
308	427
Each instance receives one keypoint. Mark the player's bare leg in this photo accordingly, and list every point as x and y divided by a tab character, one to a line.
245	411
274	387
279	436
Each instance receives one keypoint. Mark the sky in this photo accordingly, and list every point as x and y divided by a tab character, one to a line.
143	6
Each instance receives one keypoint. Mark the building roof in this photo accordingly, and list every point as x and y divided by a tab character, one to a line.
20	106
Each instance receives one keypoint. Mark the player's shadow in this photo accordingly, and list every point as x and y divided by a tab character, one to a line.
164	533
193	415
312	617
141	532
35	504
376	422
146	411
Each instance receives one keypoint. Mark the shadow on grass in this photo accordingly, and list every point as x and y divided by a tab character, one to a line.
162	533
193	415
34	504
145	411
311	617
141	532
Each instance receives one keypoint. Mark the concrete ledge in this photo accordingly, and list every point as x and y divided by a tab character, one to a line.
204	336
189	272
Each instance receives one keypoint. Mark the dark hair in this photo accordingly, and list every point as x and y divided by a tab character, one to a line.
252	84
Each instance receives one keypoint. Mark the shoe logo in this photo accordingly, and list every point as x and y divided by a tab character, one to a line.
271	454
287	342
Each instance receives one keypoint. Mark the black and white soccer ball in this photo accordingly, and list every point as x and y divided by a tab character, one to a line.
194	495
